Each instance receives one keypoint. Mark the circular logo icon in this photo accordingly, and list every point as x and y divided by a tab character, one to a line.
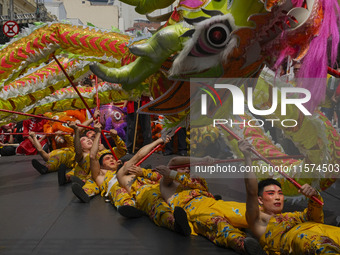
10	28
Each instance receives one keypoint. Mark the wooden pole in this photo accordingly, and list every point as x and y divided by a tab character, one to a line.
291	180
84	102
136	127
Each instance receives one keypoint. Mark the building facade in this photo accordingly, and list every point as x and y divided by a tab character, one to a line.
24	11
57	9
102	14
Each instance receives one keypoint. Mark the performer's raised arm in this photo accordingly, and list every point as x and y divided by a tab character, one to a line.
250	180
77	143
122	175
120	149
94	162
314	211
88	122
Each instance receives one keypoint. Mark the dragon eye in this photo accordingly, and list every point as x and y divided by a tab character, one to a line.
212	40
218	35
117	116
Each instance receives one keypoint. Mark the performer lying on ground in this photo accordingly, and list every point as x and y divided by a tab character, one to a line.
8	143
82	168
55	158
60	156
216	220
103	171
32	125
286	233
144	189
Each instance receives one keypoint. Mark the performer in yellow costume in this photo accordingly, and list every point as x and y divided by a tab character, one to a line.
144	188
104	173
82	169
90	187
103	167
55	158
216	220
286	233
301	232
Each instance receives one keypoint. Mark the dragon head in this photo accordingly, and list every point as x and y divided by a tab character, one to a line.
243	35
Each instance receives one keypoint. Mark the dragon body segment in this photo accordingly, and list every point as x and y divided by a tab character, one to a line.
201	39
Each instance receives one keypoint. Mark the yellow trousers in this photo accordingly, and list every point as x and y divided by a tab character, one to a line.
304	238
117	195
216	220
148	199
60	156
90	187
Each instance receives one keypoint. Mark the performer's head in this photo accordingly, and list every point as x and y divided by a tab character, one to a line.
107	161
270	196
86	143
91	134
183	170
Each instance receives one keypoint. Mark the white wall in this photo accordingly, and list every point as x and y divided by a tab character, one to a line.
57	9
102	16
127	14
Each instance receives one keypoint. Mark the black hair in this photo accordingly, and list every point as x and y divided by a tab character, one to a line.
123	160
265	183
102	157
87	81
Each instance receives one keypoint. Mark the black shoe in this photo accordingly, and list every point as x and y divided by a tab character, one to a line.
253	247
167	153
80	193
39	167
130	211
181	222
61	175
217	197
183	153
148	166
75	179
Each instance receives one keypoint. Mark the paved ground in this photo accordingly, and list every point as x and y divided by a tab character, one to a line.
39	217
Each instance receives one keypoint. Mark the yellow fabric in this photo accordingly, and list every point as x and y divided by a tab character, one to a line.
82	169
145	191
104	186
149	199
189	189
327	103
90	187
299	232
117	195
120	149
69	141
151	175
216	220
61	156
